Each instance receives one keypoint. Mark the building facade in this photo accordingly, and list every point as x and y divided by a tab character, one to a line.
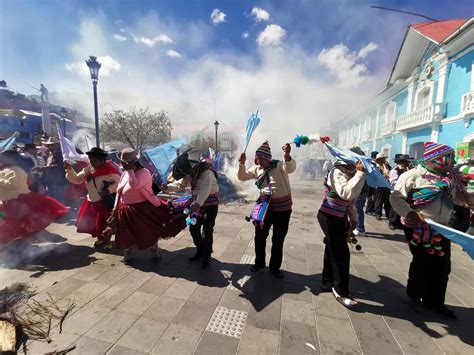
429	95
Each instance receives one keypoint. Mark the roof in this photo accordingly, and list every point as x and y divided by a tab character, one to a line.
438	31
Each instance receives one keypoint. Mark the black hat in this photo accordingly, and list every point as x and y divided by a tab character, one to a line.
401	157
373	155
30	145
97	152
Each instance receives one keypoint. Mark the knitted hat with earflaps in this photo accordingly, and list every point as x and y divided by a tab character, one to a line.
264	151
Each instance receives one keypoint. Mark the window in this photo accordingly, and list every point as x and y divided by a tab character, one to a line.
423	99
387	150
390	112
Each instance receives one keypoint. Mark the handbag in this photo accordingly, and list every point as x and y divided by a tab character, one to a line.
109	200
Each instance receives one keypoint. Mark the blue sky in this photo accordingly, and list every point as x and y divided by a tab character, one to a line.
170	54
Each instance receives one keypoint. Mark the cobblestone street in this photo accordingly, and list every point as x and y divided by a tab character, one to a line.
176	308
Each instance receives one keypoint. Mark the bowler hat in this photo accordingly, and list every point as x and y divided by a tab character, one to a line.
401	157
97	152
128	155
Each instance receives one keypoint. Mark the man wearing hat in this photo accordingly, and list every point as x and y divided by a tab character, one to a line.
31	152
426	191
382	194
370	209
53	172
402	161
190	171
271	179
101	178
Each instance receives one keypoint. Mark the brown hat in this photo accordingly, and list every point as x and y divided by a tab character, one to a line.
51	141
128	155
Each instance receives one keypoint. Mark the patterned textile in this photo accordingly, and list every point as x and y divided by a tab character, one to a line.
264	151
259	211
265	175
425	237
425	195
438	158
283	203
332	203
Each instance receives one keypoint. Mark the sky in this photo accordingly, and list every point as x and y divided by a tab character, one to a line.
302	63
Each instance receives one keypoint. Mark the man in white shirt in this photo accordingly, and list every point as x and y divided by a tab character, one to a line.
31	152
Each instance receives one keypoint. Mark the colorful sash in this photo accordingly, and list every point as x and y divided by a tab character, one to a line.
426	195
259	211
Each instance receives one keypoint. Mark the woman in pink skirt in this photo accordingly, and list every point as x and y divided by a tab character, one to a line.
141	217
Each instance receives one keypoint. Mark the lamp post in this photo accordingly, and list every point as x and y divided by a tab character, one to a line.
63	113
94	67
216	125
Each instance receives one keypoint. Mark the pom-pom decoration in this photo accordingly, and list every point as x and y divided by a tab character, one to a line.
303	140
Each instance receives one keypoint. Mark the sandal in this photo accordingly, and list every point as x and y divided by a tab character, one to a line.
98	243
347	302
108	246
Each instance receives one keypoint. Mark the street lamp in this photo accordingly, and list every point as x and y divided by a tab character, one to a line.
216	124
94	67
63	113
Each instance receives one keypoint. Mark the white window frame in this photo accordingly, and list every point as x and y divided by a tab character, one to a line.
391	106
423	86
387	147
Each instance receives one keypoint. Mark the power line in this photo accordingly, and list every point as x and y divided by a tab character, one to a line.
403	12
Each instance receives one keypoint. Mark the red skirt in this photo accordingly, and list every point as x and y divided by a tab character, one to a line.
75	192
142	224
92	217
28	214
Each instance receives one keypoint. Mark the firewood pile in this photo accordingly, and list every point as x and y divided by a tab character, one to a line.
23	318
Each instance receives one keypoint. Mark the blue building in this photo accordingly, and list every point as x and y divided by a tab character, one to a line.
429	95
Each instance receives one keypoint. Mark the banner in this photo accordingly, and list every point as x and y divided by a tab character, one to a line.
466	241
8	143
68	149
163	155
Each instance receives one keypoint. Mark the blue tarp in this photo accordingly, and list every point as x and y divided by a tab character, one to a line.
163	155
466	241
374	176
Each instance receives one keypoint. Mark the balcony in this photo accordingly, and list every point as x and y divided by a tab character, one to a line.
467	105
426	115
386	129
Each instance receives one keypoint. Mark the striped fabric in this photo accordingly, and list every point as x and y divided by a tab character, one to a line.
426	195
212	200
283	203
435	150
332	204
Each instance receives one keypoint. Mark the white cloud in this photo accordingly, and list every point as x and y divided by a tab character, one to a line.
151	42
260	14
245	35
217	16
272	35
122	30
120	38
366	50
346	65
172	53
108	63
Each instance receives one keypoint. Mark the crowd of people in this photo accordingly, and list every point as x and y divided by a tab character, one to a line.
120	200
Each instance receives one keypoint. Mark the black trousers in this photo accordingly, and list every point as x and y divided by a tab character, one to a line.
394	218
280	221
428	274
336	253
370	201
203	240
382	201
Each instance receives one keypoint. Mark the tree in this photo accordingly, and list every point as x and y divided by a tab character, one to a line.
138	128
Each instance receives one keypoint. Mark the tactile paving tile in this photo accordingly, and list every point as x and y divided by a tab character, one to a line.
229	322
245	282
252	243
248	259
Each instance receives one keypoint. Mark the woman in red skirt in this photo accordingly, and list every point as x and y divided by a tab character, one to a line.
142	217
22	213
101	179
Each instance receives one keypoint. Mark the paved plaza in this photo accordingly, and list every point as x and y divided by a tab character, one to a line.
176	308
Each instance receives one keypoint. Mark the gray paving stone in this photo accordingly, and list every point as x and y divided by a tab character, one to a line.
212	343
165	309
298	338
60	290
90	346
207	295
88	292
258	341
137	303
178	339
112	326
181	289
267	318
121	350
344	339
297	311
143	334
194	315
234	300
91	272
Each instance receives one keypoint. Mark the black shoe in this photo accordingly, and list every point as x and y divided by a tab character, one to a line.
277	273
156	259
370	213
392	226
325	288
416	304
196	257
378	218
255	268
445	311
